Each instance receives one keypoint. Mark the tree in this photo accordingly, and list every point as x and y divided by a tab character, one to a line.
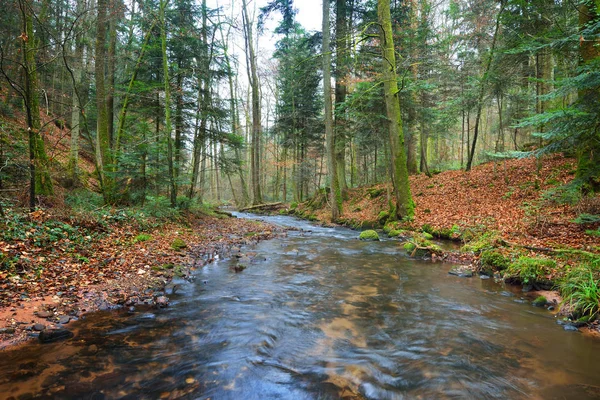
335	193
256	111
404	206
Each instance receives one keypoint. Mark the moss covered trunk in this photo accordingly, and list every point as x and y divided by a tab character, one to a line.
404	206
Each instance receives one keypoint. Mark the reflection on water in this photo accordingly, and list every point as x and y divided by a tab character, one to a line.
319	315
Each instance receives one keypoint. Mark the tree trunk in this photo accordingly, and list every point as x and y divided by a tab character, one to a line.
39	178
404	206
103	158
335	192
256	118
341	90
165	64
482	86
588	156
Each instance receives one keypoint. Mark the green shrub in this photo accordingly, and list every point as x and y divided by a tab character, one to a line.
593	233
159	207
368	235
530	270
293	205
494	259
83	199
391	226
584	219
427	228
581	291
142	237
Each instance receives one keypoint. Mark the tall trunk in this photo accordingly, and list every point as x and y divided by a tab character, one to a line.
75	111
103	157
111	67
40	182
335	193
178	118
165	64
404	206
482	86
256	118
341	89
588	156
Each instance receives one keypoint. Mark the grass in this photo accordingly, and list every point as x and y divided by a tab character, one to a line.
581	291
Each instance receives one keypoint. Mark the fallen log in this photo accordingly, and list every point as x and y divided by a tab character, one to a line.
266	206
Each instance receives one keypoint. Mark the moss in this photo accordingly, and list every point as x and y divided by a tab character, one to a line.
369	235
530	270
494	259
427	236
391	226
178	244
293	205
383	216
482	242
142	237
409	246
540	301
395	233
375	192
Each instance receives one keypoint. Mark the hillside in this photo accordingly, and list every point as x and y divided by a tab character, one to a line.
524	206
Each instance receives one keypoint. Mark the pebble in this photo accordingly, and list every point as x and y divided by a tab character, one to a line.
39	327
64	319
54	335
570	328
45	314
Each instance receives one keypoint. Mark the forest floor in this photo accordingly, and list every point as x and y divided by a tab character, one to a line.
508	197
63	269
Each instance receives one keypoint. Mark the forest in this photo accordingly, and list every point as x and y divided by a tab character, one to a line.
130	129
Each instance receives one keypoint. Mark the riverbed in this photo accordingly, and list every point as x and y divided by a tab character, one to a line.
316	315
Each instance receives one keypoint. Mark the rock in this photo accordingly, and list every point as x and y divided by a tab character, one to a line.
171	288
7	331
484	277
551	308
369	235
162	301
39	327
570	328
45	314
54	335
64	319
462	271
147	316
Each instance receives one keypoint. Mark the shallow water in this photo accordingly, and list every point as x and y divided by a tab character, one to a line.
317	315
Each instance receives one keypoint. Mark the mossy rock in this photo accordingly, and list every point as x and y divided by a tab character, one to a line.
395	233
409	246
488	240
494	259
540	301
375	192
369	235
178	244
427	236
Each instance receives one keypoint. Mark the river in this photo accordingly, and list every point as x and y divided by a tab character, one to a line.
316	315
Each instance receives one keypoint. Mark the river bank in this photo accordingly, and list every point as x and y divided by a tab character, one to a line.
55	271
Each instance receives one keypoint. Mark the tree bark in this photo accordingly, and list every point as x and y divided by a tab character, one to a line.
334	182
404	206
341	90
165	64
256	117
482	87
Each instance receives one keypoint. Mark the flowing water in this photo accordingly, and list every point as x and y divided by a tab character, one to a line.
317	315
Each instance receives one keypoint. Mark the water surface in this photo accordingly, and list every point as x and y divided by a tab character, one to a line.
317	315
